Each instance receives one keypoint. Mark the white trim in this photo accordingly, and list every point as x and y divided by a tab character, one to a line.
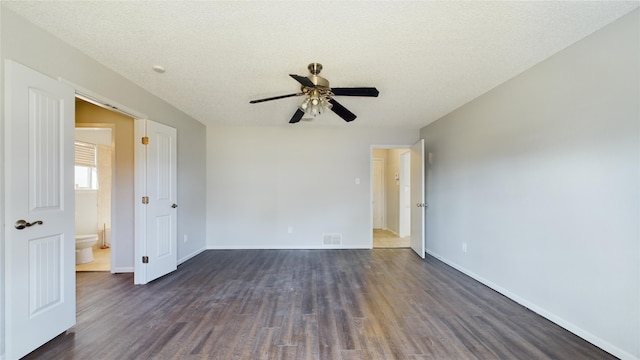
122	270
593	339
257	247
190	256
103	102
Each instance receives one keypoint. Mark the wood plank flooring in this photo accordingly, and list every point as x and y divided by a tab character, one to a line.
306	304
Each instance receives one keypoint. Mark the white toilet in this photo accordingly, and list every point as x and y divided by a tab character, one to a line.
84	248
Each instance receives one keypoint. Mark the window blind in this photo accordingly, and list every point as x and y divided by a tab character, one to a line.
85	154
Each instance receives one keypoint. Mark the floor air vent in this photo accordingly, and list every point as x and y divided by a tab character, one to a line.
332	239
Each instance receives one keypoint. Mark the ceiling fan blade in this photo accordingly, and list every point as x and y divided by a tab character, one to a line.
296	117
303	80
342	111
356	91
274	98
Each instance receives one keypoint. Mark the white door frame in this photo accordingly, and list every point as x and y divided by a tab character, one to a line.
106	103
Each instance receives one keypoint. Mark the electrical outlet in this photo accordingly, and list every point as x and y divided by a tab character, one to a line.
185	239
464	247
290	230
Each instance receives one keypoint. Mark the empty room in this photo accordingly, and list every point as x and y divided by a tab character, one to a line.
256	151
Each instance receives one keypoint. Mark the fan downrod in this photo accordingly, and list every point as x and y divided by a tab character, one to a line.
315	68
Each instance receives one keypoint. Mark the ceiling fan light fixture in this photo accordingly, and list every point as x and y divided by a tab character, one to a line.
305	105
315	106
319	96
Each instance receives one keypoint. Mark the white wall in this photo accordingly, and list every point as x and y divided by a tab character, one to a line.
261	181
540	177
33	47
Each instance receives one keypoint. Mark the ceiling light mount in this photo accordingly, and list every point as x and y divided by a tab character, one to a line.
315	68
159	69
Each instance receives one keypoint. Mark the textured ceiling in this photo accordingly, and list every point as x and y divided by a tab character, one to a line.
425	58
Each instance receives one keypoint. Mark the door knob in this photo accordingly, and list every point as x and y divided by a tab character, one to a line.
174	206
21	224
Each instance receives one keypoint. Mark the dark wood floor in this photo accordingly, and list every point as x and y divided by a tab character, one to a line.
307	304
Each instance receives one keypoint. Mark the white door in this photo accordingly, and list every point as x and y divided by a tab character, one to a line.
405	194
40	298
417	199
378	194
158	238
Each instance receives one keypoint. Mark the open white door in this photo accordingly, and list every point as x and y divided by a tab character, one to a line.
40	296
418	204
156	215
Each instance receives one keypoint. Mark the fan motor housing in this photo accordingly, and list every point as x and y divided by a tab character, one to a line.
319	81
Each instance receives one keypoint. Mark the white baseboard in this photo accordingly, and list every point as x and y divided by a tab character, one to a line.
606	346
122	270
326	247
187	257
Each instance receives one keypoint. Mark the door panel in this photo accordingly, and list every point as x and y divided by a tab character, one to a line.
40	257
417	199
159	218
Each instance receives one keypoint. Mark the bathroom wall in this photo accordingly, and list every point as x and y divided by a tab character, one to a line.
105	176
86	212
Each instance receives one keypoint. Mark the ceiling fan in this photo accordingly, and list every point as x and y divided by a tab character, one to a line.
320	96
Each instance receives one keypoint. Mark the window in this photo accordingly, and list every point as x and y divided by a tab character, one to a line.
86	172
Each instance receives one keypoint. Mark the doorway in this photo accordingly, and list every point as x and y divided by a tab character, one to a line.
115	228
94	165
390	209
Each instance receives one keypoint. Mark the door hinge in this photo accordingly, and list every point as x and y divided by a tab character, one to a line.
145	259
145	200
145	140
